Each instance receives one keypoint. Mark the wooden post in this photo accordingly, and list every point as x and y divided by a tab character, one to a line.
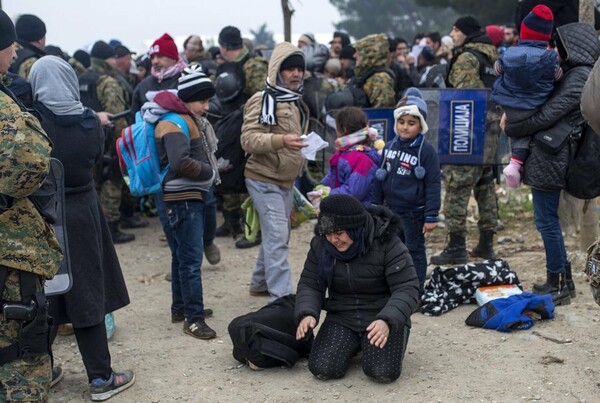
287	20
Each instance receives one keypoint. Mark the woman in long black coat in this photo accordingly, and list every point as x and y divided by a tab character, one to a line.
359	261
98	285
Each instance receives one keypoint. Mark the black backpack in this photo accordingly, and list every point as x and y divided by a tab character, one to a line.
267	337
583	180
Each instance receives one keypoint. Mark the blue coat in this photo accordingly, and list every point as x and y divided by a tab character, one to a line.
528	75
401	190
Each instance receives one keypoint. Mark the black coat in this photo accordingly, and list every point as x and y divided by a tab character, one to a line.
150	83
98	284
381	284
560	115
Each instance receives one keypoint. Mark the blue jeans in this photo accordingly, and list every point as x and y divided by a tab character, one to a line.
210	221
545	214
411	233
272	271
187	222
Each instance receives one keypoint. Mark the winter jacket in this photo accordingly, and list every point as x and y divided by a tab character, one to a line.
528	72
148	84
560	115
401	190
269	160
352	171
381	284
187	158
464	69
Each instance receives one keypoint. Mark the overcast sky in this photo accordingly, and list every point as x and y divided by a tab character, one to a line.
74	24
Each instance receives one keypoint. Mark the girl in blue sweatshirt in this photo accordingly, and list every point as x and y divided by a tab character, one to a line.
408	181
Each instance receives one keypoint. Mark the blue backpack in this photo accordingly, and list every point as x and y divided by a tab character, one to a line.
138	157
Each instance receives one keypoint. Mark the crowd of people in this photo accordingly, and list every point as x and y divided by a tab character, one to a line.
229	124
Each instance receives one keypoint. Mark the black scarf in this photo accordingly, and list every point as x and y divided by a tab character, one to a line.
329	255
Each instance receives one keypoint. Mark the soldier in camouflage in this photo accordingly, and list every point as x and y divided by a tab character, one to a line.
31	41
110	97
461	180
254	69
372	54
27	242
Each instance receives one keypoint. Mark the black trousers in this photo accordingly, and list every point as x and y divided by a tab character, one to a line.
335	345
93	347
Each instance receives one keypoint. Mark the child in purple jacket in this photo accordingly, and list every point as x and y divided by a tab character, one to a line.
352	167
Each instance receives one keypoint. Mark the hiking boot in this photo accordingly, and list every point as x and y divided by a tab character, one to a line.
485	247
556	286
212	253
244	243
104	389
134	221
57	376
117	235
454	253
179	317
199	329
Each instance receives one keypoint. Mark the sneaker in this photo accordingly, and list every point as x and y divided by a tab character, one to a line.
199	329
179	317
258	293
212	253
57	376
101	389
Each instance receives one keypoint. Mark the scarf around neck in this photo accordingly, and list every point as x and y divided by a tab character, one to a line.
329	255
271	95
169	71
366	135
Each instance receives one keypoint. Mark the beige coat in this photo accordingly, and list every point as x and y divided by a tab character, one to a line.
269	160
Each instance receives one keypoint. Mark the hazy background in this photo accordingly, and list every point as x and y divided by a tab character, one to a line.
74	24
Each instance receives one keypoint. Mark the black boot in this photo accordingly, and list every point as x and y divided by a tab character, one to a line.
454	253
556	286
569	281
485	247
244	243
117	235
232	226
133	221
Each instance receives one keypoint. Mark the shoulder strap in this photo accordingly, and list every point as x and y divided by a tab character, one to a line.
178	121
486	78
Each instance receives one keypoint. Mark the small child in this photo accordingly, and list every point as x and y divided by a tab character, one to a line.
352	167
527	75
409	181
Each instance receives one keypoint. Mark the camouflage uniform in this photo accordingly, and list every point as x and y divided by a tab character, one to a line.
27	242
25	66
255	73
461	179
112	98
373	51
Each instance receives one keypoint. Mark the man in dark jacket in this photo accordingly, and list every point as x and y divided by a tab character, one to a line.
372	290
470	43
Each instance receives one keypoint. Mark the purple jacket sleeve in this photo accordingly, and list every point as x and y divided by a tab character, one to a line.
356	171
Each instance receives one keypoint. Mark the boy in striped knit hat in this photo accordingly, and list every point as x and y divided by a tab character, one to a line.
527	76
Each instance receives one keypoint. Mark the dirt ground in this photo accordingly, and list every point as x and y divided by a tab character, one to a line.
446	360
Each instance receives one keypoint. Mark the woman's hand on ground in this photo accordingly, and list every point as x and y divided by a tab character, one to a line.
306	324
378	333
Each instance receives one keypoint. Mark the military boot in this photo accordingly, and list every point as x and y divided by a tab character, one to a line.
232	226
537	288
117	235
455	252
485	247
556	285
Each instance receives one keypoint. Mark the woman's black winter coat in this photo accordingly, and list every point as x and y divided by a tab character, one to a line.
381	284
560	115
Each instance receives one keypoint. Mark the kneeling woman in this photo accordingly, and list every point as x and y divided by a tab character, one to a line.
372	285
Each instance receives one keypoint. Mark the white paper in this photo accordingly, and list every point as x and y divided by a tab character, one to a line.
314	144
